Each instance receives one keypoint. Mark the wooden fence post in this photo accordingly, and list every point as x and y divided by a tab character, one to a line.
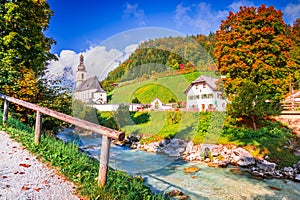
5	112
38	125
104	157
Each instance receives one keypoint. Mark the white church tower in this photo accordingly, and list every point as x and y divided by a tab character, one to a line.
80	73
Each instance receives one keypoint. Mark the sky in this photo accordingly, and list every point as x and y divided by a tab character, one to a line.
112	29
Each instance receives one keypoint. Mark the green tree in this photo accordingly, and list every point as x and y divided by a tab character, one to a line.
122	116
24	54
252	49
24	49
135	100
250	106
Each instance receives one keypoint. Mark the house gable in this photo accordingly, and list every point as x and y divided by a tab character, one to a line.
207	80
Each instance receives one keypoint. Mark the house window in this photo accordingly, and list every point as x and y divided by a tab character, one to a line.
197	96
210	106
190	97
210	96
82	76
204	85
220	96
223	105
204	96
196	86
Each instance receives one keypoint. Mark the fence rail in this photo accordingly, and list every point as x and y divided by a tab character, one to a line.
291	105
107	133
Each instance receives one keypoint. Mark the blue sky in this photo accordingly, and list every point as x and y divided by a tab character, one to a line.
107	32
78	25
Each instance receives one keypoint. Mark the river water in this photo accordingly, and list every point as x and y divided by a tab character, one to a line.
163	173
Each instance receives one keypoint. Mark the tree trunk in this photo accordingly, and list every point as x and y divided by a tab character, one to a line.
253	121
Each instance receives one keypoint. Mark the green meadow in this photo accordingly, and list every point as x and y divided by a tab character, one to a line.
166	89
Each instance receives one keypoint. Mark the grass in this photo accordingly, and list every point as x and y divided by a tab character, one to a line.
148	93
79	168
272	140
160	124
204	127
174	86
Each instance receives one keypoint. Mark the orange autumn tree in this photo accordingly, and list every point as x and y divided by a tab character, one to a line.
295	52
252	53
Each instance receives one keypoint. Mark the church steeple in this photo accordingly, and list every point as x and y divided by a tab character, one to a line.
81	72
81	64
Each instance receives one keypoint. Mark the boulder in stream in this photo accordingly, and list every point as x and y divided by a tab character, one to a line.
192	169
242	157
297	177
266	166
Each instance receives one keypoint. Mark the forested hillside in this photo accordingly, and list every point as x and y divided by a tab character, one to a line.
165	55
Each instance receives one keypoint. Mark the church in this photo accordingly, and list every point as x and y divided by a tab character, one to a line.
88	90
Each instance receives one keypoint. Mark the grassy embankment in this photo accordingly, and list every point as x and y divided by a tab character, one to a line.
78	167
203	127
198	127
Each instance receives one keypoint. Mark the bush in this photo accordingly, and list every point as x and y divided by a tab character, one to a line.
272	140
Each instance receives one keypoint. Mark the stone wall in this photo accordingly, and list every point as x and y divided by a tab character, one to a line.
293	122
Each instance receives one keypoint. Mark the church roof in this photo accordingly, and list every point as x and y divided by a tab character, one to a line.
91	83
210	81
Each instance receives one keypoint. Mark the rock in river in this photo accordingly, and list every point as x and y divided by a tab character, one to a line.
191	169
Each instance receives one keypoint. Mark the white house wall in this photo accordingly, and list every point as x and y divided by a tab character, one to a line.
114	107
204	99
100	95
106	107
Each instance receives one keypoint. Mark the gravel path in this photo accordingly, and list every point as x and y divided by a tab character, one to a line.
23	177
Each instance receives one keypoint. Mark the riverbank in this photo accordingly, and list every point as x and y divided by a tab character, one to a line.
169	175
219	156
165	174
76	167
22	176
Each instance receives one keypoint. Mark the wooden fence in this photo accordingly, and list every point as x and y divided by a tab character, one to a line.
107	133
291	105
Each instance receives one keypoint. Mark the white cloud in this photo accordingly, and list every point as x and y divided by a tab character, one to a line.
198	17
131	48
66	60
98	61
235	6
133	10
202	18
291	12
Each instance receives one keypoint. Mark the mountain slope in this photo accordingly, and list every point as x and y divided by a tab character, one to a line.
160	56
164	88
